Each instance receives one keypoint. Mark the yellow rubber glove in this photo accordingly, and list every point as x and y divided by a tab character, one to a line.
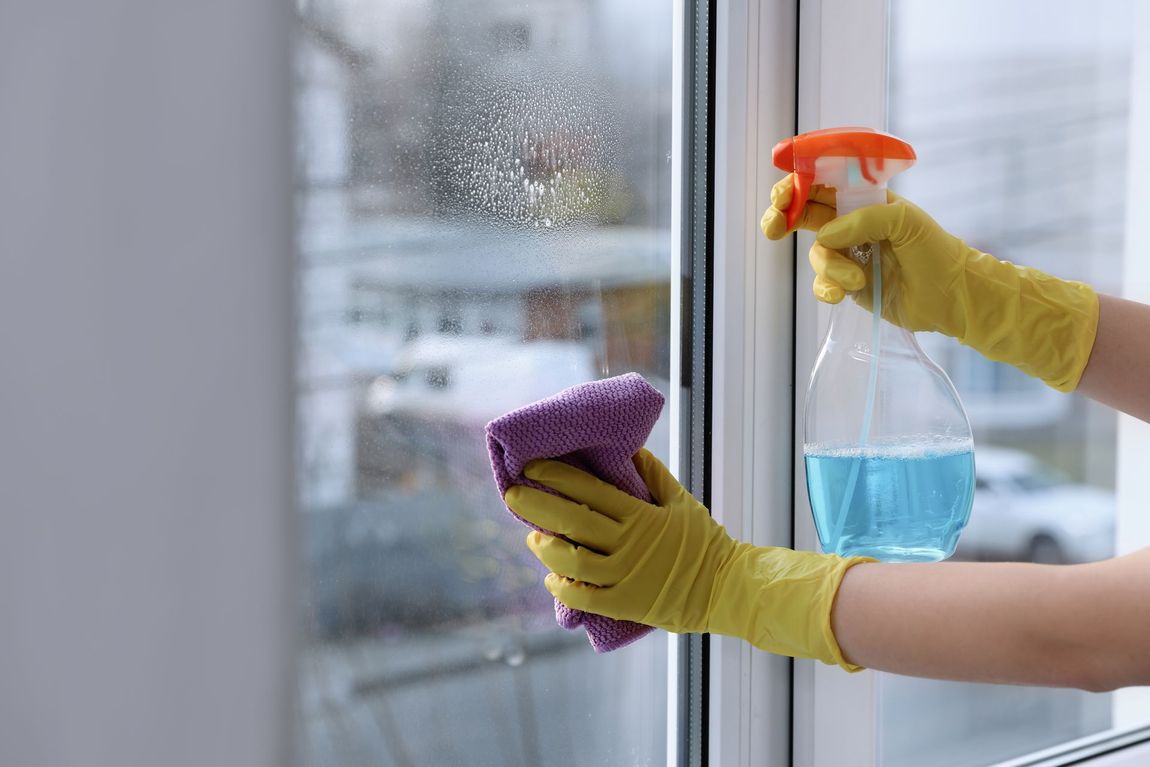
934	281
672	566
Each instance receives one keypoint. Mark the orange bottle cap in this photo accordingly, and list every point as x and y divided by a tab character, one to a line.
798	155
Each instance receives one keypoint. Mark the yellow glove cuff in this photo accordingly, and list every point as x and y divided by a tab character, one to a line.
781	600
1042	325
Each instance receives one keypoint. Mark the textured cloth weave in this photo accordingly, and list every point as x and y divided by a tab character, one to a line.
596	427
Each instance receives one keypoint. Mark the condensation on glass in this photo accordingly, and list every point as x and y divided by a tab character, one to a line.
1022	131
484	207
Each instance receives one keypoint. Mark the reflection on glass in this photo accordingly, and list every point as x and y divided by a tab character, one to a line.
484	220
1021	133
1027	511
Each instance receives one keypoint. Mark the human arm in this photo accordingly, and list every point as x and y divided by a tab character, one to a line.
1119	366
674	567
1081	626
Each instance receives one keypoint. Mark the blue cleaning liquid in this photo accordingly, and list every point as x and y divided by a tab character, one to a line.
907	503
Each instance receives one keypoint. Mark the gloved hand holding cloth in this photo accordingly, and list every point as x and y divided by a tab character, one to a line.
669	564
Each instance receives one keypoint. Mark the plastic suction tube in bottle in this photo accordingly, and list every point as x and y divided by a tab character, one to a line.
887	445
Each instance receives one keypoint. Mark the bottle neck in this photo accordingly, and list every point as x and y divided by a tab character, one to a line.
851	198
851	326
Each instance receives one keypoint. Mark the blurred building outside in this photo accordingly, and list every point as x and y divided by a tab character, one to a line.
481	225
380	277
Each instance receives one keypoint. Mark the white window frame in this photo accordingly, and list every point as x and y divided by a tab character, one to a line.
756	390
843	48
1133	522
675	403
752	343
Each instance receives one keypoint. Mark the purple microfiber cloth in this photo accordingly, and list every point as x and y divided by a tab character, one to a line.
596	427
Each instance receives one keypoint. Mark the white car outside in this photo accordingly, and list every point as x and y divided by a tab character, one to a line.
1023	510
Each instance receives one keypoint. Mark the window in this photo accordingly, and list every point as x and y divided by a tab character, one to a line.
438	378
1020	128
484	220
450	321
487	215
1054	113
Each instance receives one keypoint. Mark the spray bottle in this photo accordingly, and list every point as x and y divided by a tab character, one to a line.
887	445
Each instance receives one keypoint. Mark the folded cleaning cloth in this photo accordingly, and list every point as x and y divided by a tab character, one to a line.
596	427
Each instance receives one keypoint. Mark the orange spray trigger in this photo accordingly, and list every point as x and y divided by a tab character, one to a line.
857	162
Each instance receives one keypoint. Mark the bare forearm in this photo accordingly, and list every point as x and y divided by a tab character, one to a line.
1078	626
1119	366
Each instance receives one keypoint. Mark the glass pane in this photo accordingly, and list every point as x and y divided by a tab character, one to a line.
484	204
1022	131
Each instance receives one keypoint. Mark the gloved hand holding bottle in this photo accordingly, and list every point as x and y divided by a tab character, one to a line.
934	281
670	565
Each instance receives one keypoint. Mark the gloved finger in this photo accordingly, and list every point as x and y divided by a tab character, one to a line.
571	561
609	601
784	189
814	216
827	291
658	478
836	268
582	487
823	195
873	223
573	520
820	209
579	596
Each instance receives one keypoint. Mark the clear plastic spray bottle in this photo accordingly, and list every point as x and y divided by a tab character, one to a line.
887	445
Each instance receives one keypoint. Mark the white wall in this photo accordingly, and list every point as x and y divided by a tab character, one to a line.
145	383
